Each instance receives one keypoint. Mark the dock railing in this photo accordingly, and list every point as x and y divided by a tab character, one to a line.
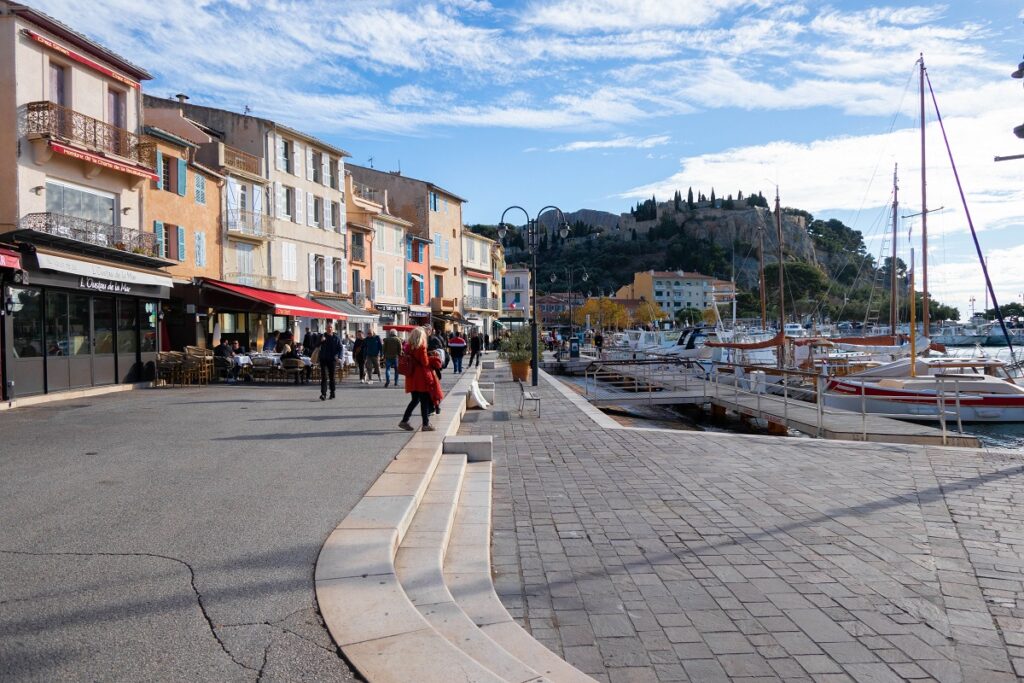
658	379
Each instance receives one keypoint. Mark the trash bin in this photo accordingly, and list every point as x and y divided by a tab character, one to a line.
574	348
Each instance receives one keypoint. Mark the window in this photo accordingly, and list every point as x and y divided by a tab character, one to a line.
289	202
336	216
127	326
287	150
28	322
336	271
201	189
200	249
58	84
438	285
433	201
116	114
380	282
357	283
181	243
334	176
318	165
318	210
319	268
80	202
378	236
438	252
165	172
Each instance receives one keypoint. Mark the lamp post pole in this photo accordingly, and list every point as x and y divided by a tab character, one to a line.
570	270
533	242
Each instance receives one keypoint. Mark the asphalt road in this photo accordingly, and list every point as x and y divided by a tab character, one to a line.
171	534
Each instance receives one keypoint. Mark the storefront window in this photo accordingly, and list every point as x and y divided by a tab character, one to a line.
27	322
78	325
127	326
103	324
79	202
147	326
57	324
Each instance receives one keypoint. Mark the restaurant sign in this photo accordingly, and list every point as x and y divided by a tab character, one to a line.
87	270
104	285
394	308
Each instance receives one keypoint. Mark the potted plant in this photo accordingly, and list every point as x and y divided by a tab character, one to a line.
516	349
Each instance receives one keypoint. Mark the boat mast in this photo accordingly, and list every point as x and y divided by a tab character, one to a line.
893	304
913	321
761	283
924	222
782	291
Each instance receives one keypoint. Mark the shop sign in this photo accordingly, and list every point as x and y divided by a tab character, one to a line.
98	285
395	308
97	271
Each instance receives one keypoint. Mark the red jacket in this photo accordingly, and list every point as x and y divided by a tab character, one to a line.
423	377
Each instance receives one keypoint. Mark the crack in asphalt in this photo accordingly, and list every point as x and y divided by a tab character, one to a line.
192	583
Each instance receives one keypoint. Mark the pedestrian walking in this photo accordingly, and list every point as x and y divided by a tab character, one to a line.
372	348
457	347
358	357
392	351
475	342
327	355
487	342
599	344
435	344
421	383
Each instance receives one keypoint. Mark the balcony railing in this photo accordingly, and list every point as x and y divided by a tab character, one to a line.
48	118
482	303
250	280
242	161
248	224
365	192
358	253
91	232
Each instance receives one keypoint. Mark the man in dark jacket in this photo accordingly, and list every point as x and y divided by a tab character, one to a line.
392	350
330	351
475	343
372	348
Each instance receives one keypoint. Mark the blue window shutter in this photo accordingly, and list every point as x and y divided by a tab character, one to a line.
159	170
408	289
181	243
408	250
422	247
182	177
158	228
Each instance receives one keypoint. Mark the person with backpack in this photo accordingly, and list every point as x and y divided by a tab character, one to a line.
420	381
457	347
392	350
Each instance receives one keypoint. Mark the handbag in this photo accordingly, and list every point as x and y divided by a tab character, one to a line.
405	365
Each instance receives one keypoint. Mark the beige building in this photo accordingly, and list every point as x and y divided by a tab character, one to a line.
303	198
435	214
479	260
81	276
676	291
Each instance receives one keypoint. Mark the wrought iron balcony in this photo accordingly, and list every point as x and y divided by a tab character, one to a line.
358	253
250	279
54	120
482	303
91	232
250	224
241	161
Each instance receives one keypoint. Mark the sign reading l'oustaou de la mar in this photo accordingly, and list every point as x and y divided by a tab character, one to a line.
104	285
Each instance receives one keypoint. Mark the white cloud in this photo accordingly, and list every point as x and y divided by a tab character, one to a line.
625	142
578	16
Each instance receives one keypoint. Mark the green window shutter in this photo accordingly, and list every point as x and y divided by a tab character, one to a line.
182	177
159	170
161	248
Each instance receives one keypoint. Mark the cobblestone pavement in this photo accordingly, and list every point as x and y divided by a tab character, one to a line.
643	555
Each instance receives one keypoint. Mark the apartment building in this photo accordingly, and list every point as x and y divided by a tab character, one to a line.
417	274
515	291
481	308
436	215
183	208
676	291
80	280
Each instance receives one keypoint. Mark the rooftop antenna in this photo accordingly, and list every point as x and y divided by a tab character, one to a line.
247	110
370	160
399	167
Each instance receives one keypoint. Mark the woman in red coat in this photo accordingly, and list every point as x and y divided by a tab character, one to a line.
422	383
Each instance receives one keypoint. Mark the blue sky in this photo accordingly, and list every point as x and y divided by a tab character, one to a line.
596	103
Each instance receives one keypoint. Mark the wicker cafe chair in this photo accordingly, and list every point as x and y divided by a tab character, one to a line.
199	364
167	368
263	367
293	368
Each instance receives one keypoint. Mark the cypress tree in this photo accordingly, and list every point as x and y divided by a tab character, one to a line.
689	200
712	197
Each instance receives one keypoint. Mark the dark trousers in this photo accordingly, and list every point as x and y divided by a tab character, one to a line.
473	356
426	406
361	364
457	362
327	377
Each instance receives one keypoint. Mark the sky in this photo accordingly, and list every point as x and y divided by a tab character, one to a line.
599	103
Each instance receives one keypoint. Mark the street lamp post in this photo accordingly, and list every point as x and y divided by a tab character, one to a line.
570	270
532	244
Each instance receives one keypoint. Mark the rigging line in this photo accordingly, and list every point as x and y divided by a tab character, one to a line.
970	222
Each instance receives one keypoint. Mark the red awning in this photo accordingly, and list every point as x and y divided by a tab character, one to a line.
476	273
104	161
10	259
400	328
283	304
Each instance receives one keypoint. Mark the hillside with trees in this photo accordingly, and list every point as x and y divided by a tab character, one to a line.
829	272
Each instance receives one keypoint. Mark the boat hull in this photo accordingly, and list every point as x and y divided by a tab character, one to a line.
924	406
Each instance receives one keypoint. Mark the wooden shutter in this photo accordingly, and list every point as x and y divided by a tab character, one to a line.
181	243
158	228
312	272
310	217
299	206
309	163
232	204
279	200
159	170
182	177
325	172
328	275
328	214
297	159
257	207
279	161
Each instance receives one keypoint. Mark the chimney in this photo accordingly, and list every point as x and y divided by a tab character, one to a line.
387	211
182	98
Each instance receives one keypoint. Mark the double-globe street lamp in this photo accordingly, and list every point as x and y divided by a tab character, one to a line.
532	244
569	271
